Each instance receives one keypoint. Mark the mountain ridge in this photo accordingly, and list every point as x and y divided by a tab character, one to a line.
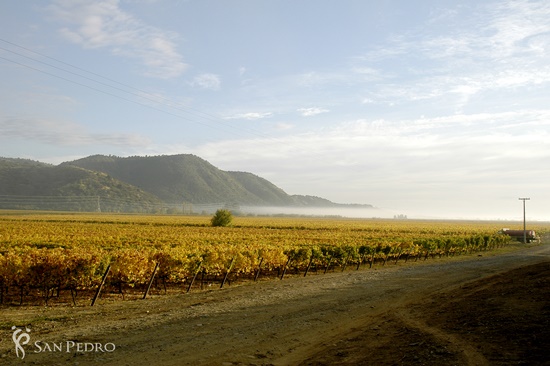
29	184
181	178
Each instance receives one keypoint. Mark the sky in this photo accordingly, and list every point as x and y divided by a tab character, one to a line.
427	108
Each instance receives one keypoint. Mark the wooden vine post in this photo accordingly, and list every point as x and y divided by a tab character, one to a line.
259	269
286	266
151	281
101	284
194	277
227	273
346	262
309	264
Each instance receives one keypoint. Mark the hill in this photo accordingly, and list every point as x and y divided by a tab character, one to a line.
150	181
189	178
28	184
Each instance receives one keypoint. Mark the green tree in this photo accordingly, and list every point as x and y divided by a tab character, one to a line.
222	218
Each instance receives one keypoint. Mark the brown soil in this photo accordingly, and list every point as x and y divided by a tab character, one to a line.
492	309
499	320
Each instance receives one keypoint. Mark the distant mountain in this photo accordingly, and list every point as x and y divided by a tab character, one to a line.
188	178
34	185
314	201
174	178
260	187
151	180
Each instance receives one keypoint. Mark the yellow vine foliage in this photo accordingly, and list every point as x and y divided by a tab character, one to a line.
47	251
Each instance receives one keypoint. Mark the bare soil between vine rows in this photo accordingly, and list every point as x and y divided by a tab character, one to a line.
488	309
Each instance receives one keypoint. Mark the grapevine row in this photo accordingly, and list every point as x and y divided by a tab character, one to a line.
44	262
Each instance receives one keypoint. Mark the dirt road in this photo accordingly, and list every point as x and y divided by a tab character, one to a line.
469	310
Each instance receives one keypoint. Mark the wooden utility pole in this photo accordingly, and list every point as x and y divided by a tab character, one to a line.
524	229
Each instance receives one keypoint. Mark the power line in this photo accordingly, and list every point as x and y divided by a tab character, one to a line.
100	76
139	93
105	92
142	94
167	106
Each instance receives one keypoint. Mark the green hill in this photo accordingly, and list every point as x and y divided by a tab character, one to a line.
188	178
260	187
147	182
174	178
27	184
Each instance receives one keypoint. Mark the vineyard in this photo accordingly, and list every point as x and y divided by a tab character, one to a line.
66	258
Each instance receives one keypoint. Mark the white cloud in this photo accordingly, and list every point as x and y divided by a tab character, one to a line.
458	62
367	101
401	162
517	23
250	115
308	112
207	81
103	24
502	46
455	137
496	31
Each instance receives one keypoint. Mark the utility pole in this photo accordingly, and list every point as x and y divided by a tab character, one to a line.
524	230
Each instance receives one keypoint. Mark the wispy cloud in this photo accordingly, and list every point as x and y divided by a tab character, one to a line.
207	81
503	46
103	24
308	112
250	115
484	133
461	61
409	164
520	26
63	133
515	31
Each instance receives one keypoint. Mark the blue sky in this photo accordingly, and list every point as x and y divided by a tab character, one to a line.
428	108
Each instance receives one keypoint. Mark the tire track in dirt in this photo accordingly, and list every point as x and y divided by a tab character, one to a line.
500	319
457	344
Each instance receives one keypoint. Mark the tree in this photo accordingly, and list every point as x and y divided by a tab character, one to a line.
222	218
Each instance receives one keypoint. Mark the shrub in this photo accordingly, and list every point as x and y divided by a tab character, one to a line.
222	218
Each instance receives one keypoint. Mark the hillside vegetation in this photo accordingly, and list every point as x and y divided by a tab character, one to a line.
186	178
27	184
153	181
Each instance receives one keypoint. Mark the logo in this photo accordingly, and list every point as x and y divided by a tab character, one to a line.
20	338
